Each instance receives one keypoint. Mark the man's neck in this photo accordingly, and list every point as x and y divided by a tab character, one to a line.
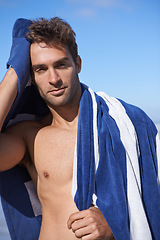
66	115
64	118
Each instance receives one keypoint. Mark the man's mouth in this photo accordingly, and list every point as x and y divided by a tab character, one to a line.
57	91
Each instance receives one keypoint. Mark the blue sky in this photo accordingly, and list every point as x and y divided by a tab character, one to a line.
119	42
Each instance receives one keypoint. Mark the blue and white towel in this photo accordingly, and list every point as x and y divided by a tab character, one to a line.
116	164
116	167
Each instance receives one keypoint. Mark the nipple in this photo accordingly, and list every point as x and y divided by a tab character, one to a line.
46	175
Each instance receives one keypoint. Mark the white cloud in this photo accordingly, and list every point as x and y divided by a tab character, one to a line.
9	3
86	12
91	8
93	2
106	3
123	4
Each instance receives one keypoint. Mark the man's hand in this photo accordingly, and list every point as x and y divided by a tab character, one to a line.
20	52
90	224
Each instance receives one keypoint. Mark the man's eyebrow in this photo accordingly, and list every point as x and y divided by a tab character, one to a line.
62	60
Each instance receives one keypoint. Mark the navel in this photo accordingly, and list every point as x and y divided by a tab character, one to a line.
46	175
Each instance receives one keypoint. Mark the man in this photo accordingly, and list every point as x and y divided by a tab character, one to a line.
86	144
50	142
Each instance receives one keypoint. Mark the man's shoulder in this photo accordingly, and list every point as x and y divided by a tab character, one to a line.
26	125
23	128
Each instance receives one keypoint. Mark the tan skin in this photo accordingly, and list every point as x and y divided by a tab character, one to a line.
50	144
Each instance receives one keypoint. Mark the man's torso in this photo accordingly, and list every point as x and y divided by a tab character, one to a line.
52	151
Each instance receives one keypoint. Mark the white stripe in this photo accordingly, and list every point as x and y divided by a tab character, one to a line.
139	228
36	205
158	156
127	133
95	136
95	129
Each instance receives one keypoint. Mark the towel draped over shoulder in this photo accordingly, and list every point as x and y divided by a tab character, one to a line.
116	167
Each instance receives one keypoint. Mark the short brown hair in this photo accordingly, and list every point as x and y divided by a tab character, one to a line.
53	32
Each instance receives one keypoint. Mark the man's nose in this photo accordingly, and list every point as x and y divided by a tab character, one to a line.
54	76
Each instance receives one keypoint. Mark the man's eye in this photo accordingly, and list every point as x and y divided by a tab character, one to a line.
62	66
39	70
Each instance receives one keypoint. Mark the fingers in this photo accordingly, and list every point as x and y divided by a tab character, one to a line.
89	224
90	231
84	225
75	217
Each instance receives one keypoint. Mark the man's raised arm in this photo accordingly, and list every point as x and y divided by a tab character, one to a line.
8	92
12	145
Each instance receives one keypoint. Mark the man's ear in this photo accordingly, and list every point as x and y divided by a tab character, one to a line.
79	64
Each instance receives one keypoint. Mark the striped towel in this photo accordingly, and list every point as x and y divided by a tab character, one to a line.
116	167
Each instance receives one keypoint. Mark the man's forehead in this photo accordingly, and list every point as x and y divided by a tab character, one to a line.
42	44
50	45
40	52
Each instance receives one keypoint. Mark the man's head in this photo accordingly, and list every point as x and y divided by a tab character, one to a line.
54	32
54	62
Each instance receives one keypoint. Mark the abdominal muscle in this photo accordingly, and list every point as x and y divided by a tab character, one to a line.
57	205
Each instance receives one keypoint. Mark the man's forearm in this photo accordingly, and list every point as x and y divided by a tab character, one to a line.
8	92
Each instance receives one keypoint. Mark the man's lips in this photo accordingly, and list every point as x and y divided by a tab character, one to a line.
57	91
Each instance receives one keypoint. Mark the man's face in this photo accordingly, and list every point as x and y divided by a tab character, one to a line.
55	74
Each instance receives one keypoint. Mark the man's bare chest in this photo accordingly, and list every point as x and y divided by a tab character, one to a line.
54	154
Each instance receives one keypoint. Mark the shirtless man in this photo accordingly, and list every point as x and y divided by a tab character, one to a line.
50	143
